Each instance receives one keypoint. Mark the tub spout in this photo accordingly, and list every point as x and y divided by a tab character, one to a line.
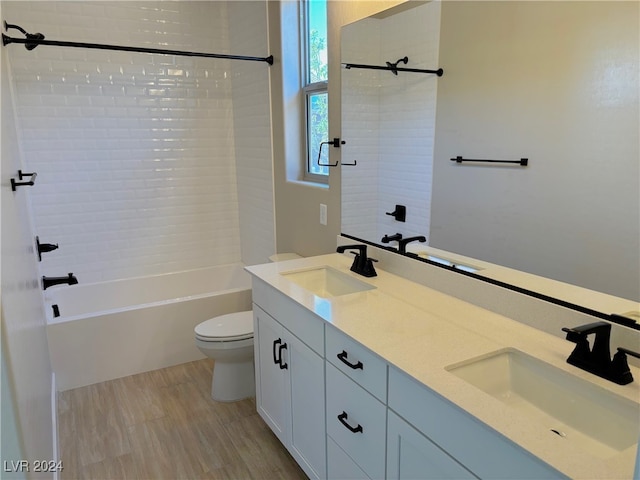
47	282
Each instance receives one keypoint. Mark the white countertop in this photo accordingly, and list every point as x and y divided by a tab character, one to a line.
421	331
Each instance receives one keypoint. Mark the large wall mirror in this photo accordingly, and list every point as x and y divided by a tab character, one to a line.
554	82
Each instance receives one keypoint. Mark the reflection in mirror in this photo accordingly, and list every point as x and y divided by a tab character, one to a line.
554	82
388	122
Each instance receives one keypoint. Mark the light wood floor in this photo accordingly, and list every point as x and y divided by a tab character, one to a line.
164	425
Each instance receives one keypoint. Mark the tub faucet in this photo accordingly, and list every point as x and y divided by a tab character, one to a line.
597	360
361	264
402	244
47	282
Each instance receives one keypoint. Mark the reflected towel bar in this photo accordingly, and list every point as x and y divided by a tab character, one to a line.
522	162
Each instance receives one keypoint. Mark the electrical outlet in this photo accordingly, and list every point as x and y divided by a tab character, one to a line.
323	214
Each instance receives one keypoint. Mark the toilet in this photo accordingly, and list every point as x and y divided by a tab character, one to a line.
228	340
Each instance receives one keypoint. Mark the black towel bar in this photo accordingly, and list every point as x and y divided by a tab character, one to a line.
522	162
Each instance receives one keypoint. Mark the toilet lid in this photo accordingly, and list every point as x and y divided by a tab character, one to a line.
233	326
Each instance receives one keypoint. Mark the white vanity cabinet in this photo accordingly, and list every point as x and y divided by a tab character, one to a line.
290	388
463	445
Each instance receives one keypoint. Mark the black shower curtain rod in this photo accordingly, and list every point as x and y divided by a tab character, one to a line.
33	40
438	72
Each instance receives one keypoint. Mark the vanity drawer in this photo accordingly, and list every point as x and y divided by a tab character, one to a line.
357	362
356	421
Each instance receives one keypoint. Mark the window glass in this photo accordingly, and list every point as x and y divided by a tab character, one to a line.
318	132
315	89
317	70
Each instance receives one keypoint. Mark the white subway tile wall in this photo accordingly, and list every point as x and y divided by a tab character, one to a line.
254	162
136	153
389	123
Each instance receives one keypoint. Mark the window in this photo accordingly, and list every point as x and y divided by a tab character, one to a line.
315	95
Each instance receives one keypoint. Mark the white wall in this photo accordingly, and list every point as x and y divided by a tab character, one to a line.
556	82
26	368
135	153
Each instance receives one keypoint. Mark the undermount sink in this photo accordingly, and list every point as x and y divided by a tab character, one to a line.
591	417
327	281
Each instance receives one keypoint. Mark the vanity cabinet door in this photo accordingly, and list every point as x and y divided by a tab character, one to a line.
412	456
340	465
272	382
306	379
290	392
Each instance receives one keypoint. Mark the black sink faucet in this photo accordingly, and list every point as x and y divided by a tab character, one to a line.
361	264
402	244
391	238
597	360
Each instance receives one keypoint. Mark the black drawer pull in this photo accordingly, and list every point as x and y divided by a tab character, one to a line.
343	358
343	420
283	366
277	342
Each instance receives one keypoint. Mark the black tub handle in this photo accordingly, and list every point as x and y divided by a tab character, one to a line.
343	358
343	420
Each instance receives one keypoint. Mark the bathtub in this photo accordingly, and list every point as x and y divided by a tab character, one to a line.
108	330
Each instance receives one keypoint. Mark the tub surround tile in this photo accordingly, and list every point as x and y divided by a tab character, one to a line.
131	146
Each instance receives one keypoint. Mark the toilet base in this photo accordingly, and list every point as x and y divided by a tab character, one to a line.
233	381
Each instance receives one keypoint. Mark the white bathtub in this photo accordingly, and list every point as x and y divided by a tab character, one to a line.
113	329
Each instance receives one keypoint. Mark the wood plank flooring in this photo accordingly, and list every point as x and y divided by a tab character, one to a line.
164	425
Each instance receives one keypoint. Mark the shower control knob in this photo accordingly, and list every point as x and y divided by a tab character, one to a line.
44	247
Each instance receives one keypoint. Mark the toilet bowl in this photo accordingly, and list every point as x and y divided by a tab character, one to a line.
228	340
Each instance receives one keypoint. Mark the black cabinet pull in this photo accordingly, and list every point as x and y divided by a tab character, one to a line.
343	420
343	358
277	342
283	366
